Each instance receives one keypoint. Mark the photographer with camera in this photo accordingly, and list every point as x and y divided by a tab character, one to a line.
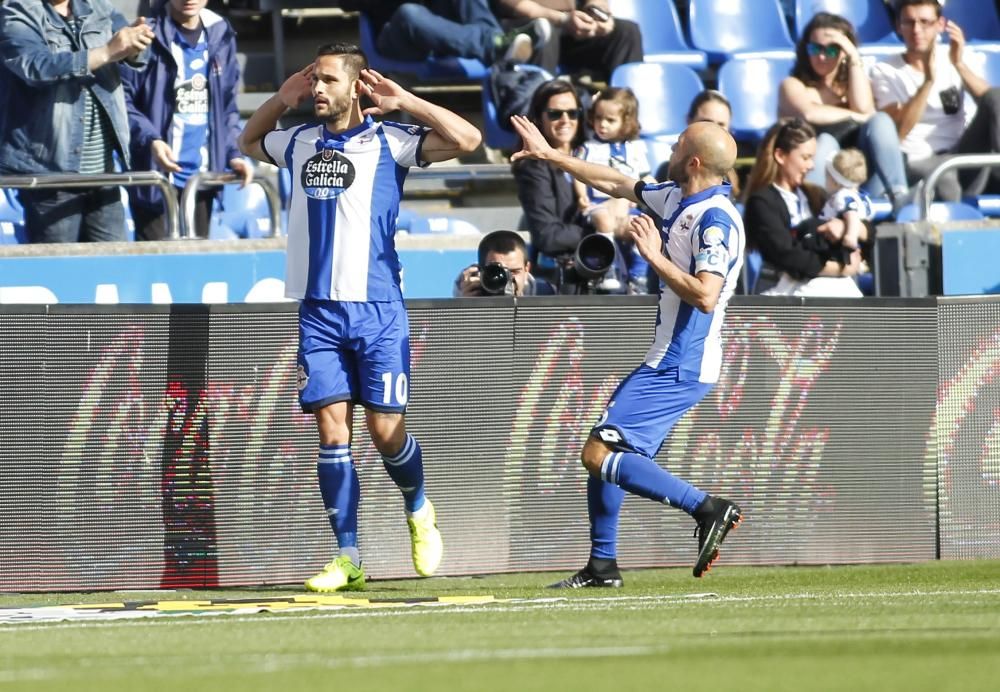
502	269
926	92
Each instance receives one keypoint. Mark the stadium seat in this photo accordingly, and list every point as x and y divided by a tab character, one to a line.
751	85
494	135
726	28
988	205
244	212
430	70
12	231
752	264
667	42
870	18
664	90
942	211
979	21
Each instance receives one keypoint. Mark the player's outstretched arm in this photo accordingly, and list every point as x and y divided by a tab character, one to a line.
294	91
700	290
451	134
604	178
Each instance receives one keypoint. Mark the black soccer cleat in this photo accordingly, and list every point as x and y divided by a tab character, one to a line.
715	518
597	574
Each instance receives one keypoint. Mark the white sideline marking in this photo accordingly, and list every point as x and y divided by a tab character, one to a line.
579	604
278	662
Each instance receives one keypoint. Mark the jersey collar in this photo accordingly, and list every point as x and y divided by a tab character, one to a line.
328	136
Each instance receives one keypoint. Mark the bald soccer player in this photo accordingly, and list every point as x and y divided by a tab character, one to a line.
698	254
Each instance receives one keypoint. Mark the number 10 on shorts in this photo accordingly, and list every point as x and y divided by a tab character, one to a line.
395	389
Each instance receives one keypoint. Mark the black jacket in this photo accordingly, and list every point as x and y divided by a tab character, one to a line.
550	208
784	248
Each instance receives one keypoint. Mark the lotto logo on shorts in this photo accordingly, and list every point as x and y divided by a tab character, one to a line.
327	174
610	435
302	379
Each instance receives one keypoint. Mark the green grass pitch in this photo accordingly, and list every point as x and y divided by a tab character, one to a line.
932	626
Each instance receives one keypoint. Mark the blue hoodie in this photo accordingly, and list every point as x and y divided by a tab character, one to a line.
149	97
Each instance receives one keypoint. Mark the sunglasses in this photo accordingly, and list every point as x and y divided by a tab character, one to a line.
830	50
556	113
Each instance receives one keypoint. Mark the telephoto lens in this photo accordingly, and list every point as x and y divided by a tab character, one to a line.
594	256
495	279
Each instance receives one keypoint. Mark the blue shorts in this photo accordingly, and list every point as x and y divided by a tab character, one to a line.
357	352
645	407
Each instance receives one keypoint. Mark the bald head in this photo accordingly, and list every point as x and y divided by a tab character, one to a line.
714	146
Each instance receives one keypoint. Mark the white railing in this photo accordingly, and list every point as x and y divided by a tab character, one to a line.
200	180
926	195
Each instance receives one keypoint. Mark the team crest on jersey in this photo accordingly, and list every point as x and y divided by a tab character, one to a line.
301	378
714	236
327	174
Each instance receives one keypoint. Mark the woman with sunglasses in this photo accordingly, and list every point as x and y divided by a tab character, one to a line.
546	194
803	255
829	88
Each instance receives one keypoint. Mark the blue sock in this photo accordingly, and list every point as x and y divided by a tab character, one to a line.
604	501
641	476
338	483
406	469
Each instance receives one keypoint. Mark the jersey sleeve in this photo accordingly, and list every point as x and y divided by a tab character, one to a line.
712	243
275	145
405	142
662	198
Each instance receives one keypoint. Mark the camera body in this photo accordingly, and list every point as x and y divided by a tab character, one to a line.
496	280
951	100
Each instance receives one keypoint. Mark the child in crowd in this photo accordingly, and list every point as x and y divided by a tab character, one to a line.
614	119
845	171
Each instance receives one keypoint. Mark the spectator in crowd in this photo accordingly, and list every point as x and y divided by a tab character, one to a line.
65	110
588	41
802	254
697	251
829	89
709	106
614	119
925	91
414	31
845	172
182	111
348	172
508	250
546	194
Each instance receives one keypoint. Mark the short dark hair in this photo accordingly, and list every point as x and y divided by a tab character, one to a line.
355	59
898	5
502	243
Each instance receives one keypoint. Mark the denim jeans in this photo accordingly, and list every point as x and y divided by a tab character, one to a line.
444	28
71	216
879	141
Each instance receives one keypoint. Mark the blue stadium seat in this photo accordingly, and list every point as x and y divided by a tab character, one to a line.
942	211
664	90
241	213
991	67
726	28
666	43
870	18
752	263
979	21
431	70
12	231
751	85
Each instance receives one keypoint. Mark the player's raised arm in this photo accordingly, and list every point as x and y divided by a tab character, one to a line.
450	134
294	91
603	178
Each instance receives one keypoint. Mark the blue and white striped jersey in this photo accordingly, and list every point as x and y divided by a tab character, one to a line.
631	158
702	232
342	211
189	128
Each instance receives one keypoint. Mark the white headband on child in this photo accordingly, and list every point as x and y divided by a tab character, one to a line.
838	177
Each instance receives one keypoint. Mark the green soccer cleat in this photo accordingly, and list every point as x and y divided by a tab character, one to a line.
426	542
339	575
